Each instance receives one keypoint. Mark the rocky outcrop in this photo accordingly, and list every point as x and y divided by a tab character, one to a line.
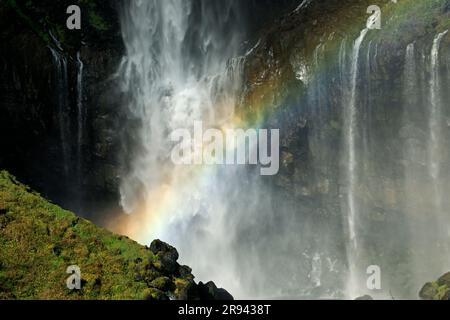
40	240
438	290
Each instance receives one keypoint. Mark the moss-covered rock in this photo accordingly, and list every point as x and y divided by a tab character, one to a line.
40	240
438	290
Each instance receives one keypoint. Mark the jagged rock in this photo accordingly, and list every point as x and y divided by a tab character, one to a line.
439	290
162	283
209	291
153	294
185	271
157	246
167	254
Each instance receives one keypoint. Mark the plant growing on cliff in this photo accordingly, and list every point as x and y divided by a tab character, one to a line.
39	240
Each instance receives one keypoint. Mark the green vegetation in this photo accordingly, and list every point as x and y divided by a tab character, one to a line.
97	21
47	18
39	240
438	290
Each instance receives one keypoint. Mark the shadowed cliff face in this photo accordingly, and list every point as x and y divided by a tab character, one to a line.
59	110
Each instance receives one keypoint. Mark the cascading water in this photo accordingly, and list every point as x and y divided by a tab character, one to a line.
436	143
60	62
81	118
183	64
436	121
180	68
352	166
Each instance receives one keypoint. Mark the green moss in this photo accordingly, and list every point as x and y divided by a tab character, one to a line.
97	21
162	283
39	240
440	292
154	294
408	19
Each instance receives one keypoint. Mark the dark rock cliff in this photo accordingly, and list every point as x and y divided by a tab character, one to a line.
31	88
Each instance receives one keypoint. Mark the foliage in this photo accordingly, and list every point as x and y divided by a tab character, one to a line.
39	240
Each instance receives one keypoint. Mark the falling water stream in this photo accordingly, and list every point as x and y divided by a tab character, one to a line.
62	91
350	137
436	143
81	118
182	66
436	121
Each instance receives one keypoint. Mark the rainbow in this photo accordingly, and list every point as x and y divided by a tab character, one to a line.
266	99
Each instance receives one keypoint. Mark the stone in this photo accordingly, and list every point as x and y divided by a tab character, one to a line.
162	283
439	290
209	291
168	256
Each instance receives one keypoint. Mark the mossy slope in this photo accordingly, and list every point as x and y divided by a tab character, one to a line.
39	240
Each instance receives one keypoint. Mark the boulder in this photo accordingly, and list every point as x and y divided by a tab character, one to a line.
438	290
168	256
209	291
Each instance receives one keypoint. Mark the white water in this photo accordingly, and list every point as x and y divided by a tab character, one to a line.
352	179
180	67
227	227
81	118
436	120
61	78
436	145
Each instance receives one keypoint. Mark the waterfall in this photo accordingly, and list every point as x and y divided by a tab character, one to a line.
225	222
437	144
425	144
182	65
352	179
62	90
435	124
81	118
